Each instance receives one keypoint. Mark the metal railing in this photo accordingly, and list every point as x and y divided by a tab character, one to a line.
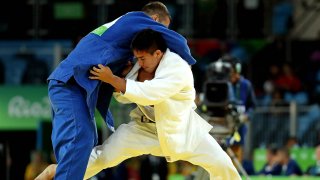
273	125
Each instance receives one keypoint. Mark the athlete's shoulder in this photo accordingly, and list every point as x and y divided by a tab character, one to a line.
174	58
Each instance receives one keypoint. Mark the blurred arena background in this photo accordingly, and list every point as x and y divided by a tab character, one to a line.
277	41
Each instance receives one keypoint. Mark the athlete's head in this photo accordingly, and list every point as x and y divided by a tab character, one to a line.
148	47
158	12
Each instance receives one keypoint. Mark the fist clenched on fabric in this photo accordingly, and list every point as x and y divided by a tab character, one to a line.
102	73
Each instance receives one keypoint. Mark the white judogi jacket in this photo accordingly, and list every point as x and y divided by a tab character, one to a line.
180	129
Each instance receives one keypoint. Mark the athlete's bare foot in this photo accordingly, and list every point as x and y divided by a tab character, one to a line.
48	173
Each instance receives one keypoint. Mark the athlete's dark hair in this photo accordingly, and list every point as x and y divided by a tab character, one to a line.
148	40
156	7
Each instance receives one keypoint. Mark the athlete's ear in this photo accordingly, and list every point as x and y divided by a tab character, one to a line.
158	53
155	17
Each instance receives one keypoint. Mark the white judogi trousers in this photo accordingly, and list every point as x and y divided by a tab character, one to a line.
137	138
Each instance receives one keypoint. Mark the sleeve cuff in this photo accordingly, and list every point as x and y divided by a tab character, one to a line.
129	87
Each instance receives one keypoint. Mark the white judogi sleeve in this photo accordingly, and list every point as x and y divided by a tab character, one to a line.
121	99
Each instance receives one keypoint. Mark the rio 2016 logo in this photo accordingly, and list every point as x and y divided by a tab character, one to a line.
20	107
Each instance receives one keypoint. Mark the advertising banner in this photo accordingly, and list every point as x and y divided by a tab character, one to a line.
22	107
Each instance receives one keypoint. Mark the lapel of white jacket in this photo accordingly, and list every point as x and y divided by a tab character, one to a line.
133	73
163	63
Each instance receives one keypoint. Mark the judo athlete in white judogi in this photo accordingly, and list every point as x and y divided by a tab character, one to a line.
164	123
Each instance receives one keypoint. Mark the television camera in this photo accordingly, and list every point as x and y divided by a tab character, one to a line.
219	105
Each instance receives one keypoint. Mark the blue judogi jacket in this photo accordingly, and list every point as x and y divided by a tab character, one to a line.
111	46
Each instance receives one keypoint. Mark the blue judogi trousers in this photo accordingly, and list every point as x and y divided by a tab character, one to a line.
74	132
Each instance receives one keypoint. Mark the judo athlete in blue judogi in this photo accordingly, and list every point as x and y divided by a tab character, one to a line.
74	96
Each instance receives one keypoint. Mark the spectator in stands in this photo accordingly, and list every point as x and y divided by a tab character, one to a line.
36	166
289	166
277	98
315	169
292	142
272	166
269	85
288	81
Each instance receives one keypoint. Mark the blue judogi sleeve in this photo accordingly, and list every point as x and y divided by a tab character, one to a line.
123	31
